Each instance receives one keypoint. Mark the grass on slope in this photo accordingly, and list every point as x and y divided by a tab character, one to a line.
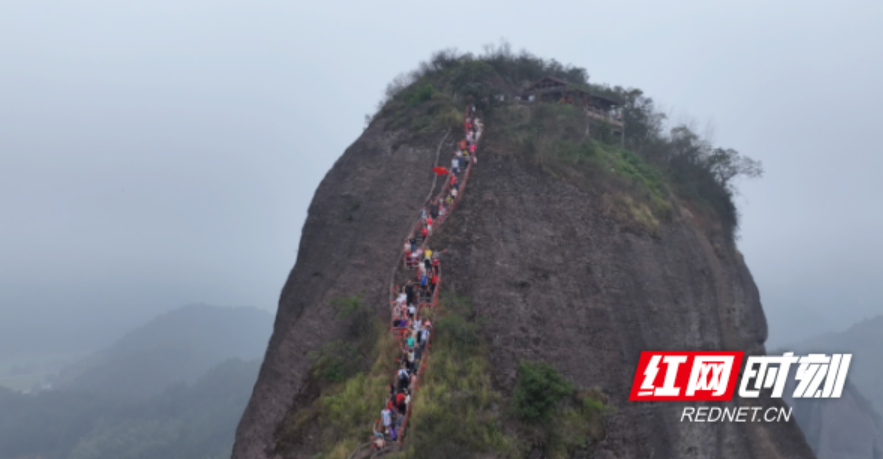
340	418
456	411
561	140
420	109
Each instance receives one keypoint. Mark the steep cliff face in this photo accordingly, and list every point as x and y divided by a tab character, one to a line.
350	242
557	277
564	283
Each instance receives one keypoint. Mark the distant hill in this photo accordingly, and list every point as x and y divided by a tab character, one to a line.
178	346
844	428
183	421
851	426
865	341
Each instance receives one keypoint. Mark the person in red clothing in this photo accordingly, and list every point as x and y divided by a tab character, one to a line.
435	264
433	283
429	224
462	144
424	232
400	402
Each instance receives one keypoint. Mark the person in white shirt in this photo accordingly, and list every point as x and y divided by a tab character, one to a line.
386	417
404	378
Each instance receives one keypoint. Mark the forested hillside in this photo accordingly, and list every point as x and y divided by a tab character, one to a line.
178	346
173	388
184	421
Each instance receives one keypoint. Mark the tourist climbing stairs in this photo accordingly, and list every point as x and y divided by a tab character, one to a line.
421	267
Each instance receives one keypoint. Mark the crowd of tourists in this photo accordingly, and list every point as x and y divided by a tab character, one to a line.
411	331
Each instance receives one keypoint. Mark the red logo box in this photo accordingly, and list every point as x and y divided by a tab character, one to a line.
686	375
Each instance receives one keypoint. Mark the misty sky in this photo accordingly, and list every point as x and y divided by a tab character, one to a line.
154	154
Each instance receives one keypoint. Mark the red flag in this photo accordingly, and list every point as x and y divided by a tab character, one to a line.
440	171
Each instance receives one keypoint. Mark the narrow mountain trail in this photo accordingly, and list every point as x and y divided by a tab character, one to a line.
421	273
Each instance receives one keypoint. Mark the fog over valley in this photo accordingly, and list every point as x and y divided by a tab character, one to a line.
157	162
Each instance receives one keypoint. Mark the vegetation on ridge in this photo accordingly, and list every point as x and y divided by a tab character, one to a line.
346	387
645	169
459	413
456	411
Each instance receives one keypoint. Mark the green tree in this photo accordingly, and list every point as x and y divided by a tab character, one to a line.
539	390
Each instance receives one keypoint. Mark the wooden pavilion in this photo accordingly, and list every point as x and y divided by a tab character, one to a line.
601	107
